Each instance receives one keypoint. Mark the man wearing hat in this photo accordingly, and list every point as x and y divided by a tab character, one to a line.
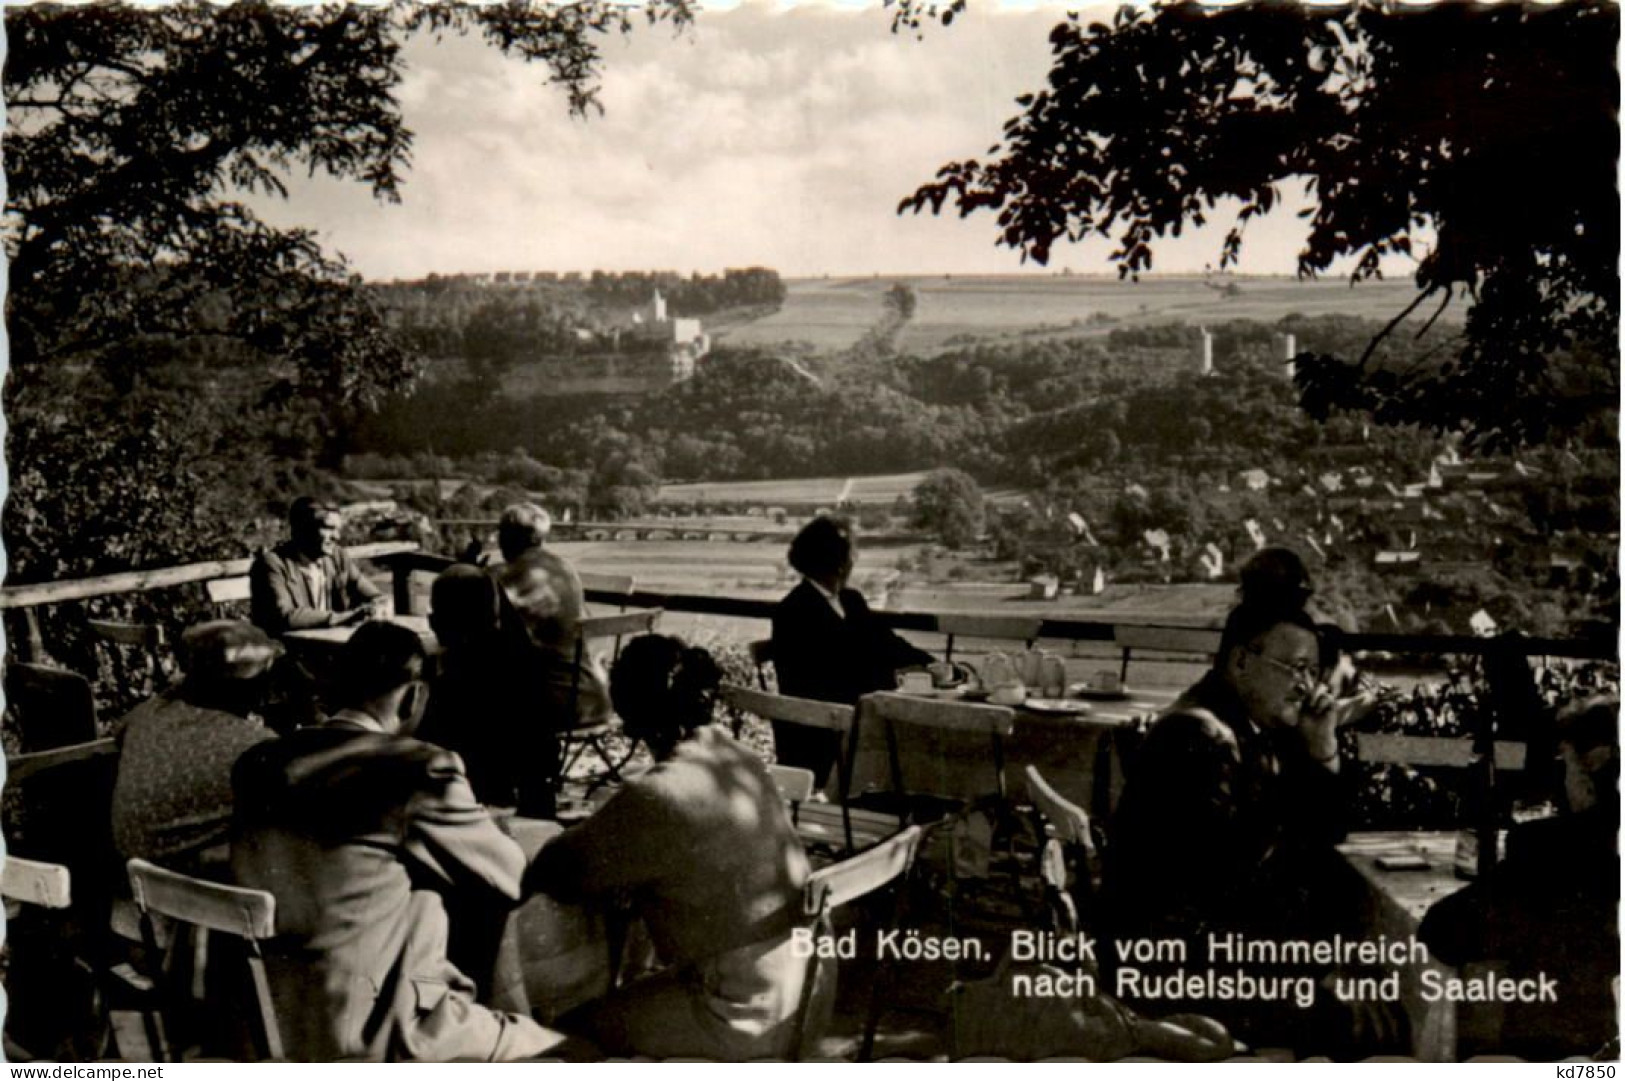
172	800
308	580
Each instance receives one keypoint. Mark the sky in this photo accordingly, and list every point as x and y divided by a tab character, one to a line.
764	136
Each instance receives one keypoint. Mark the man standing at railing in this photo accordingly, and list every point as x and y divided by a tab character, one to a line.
308	580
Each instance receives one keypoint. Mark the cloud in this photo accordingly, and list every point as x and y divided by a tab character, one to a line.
783	138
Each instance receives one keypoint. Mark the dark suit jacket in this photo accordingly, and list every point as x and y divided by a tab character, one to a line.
358	834
817	654
280	596
1216	819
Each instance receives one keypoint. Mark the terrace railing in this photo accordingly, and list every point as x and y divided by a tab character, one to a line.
409	566
405	559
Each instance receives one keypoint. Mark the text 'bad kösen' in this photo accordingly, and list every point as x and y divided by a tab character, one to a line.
1236	967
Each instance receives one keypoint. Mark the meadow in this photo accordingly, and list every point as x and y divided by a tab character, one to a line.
831	314
882	489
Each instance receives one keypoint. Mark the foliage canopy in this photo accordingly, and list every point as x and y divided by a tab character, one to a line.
1482	141
135	137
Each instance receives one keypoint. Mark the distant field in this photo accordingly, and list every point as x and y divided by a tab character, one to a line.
832	313
882	489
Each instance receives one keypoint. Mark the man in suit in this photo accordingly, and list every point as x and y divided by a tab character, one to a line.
366	837
827	644
1228	820
308	580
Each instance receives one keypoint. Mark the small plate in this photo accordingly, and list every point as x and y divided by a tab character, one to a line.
1057	705
975	694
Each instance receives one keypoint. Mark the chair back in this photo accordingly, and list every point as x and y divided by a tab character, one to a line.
232	910
829	888
226	590
616	589
614	626
245	913
834	717
841	883
149	636
892	712
1202	641
794	783
957	625
30	882
54	706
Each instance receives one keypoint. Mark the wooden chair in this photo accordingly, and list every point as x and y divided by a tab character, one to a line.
880	868
249	915
795	785
1201	641
618	587
578	741
42	885
226	590
1023	629
147	636
30	882
54	707
891	711
761	655
837	826
948	803
1069	861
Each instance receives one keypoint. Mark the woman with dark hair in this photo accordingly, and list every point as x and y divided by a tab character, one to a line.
704	849
827	644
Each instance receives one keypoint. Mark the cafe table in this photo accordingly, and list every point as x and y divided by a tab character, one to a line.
325	641
1068	743
1395	902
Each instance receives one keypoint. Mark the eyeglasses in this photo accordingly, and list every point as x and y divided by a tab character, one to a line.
1301	672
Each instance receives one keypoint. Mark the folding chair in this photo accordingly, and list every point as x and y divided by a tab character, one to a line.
578	741
950	799
1023	629
1069	861
831	887
795	785
148	636
836	826
1198	641
246	914
30	882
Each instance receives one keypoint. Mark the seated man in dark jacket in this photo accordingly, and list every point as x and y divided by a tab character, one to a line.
827	644
1230	812
366	837
1552	907
308	580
